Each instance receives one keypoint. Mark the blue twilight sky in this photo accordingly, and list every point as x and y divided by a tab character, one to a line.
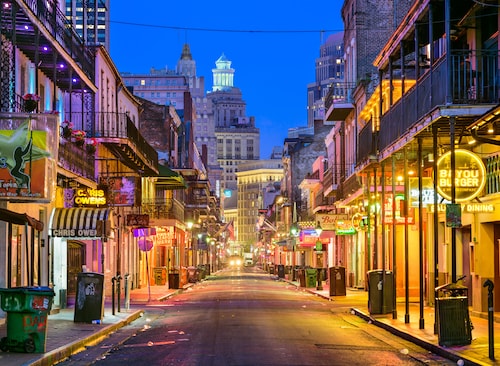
272	44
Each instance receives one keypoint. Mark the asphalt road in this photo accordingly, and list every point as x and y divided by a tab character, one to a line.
245	317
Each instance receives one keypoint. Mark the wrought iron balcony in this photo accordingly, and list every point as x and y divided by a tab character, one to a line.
339	101
119	134
41	32
75	159
163	208
474	83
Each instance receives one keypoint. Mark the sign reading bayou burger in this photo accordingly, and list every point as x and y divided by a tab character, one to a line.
470	175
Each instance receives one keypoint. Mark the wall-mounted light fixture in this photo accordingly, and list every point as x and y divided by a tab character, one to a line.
318	229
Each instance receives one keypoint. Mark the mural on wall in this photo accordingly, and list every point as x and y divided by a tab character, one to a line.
23	155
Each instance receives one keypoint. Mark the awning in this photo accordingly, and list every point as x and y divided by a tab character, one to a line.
170	179
82	223
20	219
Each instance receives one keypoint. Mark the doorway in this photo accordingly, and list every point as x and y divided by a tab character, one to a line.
76	260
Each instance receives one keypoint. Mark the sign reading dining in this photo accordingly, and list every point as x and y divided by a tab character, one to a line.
470	175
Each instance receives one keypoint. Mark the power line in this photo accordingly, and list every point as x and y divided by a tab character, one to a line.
225	30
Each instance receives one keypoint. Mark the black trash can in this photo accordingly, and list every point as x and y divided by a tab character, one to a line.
452	315
89	302
337	281
173	280
281	271
380	291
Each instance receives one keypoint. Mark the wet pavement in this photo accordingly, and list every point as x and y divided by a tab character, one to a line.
65	337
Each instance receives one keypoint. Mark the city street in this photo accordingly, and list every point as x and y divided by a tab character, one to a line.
245	317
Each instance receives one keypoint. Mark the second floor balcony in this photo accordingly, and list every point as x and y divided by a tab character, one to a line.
339	101
121	136
163	208
473	87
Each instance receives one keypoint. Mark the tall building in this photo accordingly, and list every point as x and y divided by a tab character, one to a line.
237	138
167	87
90	19
258	183
329	71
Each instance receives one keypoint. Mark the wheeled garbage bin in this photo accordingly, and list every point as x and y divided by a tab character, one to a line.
311	277
27	310
89	301
452	315
380	291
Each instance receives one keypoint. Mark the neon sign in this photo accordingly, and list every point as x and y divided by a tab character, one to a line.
470	175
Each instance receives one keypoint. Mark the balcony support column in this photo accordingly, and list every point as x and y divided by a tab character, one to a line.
453	201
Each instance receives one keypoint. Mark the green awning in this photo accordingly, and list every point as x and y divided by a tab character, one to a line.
170	179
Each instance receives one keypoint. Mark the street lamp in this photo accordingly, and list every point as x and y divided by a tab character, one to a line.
189	226
319	230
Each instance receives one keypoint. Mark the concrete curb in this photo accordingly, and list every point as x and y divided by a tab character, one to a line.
61	353
416	340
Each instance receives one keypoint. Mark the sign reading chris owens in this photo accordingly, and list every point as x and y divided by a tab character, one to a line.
470	175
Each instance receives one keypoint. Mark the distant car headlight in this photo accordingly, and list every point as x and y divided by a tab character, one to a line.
238	262
231	262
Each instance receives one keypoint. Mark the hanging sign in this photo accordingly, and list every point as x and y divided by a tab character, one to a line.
470	175
145	245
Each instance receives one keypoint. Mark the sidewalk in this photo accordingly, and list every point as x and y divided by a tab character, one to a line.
477	353
65	337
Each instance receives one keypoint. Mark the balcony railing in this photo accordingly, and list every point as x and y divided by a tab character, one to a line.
366	143
163	208
339	93
76	160
55	22
115	127
474	80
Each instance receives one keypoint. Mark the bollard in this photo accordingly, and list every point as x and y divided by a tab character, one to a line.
118	291
113	280
127	291
491	341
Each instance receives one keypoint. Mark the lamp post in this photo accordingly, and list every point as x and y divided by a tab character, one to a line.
189	226
319	230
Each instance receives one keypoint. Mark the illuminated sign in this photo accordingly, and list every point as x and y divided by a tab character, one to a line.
27	160
470	175
90	197
469	208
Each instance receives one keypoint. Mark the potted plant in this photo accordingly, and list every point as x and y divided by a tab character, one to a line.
31	102
67	129
91	146
79	137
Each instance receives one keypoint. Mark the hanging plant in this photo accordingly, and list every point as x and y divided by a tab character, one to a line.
91	146
67	129
79	137
31	102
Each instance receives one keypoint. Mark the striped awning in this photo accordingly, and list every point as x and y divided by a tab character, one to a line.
81	223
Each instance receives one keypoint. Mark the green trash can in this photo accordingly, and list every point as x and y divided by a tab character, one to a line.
27	310
454	326
311	277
